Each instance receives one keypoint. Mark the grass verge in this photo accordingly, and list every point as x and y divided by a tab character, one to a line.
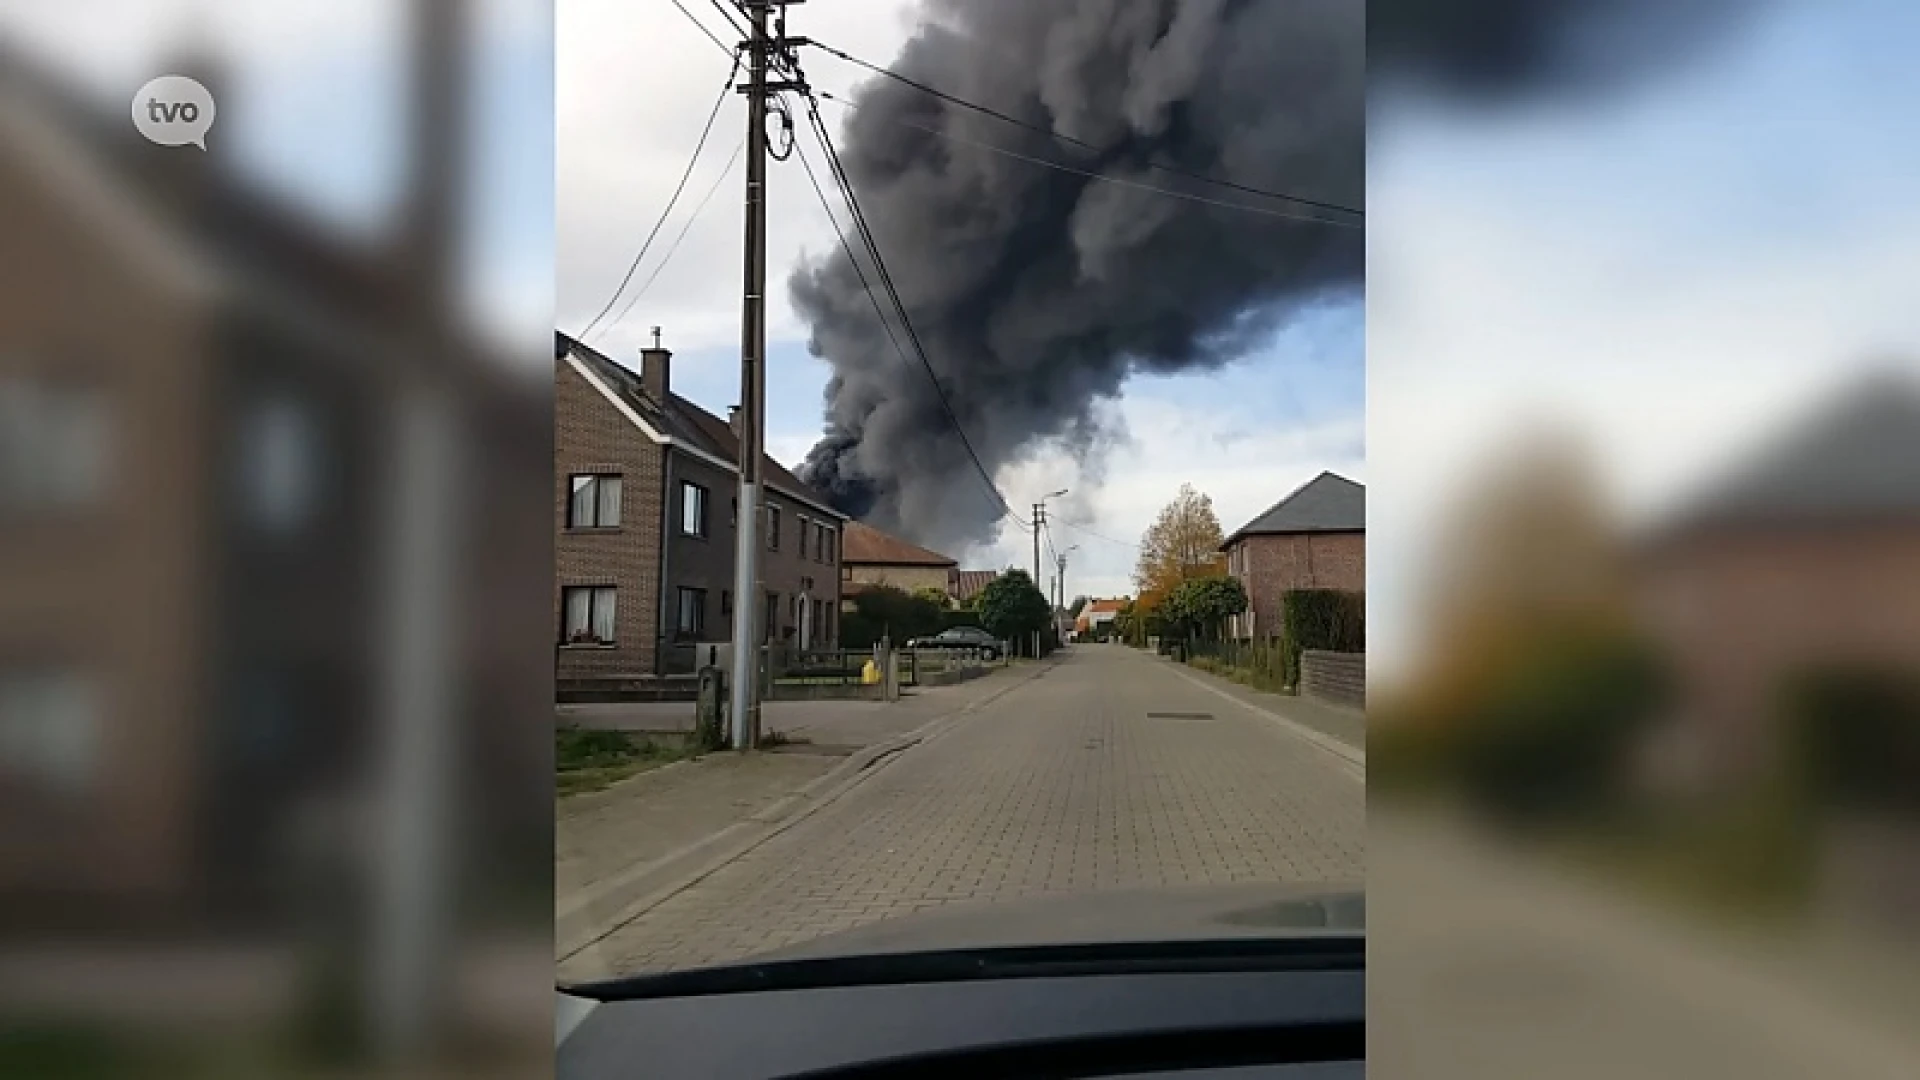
586	760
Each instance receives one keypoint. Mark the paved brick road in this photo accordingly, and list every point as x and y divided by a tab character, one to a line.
1064	785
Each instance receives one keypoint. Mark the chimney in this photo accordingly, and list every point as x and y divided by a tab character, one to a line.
654	366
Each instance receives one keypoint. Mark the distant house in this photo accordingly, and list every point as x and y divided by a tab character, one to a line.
1098	615
1315	538
965	585
873	558
645	512
1808	555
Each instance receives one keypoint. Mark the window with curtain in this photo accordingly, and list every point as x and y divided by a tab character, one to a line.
595	501
693	612
773	528
589	613
50	727
693	509
54	443
804	526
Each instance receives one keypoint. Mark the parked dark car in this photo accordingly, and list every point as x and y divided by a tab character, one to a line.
962	637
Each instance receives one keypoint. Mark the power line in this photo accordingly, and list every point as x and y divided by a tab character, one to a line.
675	246
886	279
711	36
1104	178
873	253
668	209
1051	134
1098	536
727	13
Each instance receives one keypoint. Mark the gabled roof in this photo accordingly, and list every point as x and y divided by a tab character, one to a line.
680	423
964	585
1104	607
863	545
1857	459
1326	503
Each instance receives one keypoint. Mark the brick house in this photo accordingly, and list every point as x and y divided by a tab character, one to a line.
965	585
874	558
196	437
1315	538
644	517
1804	556
1098	615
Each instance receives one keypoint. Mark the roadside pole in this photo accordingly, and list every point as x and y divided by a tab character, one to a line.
744	703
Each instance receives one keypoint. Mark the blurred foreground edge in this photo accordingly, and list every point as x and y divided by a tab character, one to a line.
274	570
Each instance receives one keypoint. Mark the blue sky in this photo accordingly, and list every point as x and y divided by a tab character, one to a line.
1671	274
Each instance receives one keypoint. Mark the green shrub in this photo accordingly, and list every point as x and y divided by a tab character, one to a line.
1553	737
1326	619
1854	734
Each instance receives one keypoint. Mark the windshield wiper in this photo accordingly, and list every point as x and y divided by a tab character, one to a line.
1338	952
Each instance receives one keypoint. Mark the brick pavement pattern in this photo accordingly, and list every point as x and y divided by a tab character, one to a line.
1063	785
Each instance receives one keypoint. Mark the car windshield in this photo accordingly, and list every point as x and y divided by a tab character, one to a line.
988	692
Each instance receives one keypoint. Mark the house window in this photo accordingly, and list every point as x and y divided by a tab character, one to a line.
733	512
726	604
693	612
595	503
832	543
693	510
589	615
280	458
50	728
53	445
773	615
804	526
773	528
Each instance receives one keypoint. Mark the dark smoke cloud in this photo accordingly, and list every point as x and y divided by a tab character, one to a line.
1037	292
1500	51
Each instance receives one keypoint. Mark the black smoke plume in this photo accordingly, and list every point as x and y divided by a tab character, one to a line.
1499	51
1036	291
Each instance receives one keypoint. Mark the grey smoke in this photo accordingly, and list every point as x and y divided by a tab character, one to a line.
1037	292
1500	51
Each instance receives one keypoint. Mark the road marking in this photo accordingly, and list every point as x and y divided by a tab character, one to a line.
1351	755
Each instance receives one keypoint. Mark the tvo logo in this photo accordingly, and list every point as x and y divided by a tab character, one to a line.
174	110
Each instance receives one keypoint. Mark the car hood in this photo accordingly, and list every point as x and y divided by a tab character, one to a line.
1139	915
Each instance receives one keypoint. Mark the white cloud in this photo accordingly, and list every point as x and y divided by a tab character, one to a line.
635	83
1244	468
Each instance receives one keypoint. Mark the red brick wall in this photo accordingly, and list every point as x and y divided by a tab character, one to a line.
1270	565
591	435
1736	614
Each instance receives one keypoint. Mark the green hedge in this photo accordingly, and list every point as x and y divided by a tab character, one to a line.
1326	619
1855	734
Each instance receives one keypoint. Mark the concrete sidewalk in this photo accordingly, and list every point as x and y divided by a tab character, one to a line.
787	717
616	848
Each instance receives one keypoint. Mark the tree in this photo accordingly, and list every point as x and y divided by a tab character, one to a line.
886	611
939	598
1079	604
1012	606
1199	606
1182	543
